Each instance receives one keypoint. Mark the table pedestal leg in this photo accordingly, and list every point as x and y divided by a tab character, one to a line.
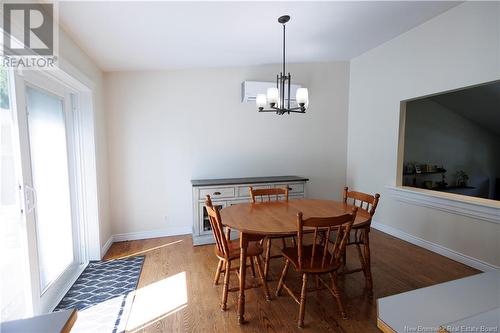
243	260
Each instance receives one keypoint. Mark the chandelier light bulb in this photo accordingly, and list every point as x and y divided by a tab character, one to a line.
261	101
273	95
302	97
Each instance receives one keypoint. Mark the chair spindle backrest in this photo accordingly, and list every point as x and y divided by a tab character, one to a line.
272	194
217	227
362	200
330	252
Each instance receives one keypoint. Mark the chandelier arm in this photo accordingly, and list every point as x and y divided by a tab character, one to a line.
280	110
297	108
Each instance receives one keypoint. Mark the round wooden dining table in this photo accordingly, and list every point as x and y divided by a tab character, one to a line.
254	221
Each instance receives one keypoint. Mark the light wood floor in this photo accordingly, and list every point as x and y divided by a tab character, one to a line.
174	269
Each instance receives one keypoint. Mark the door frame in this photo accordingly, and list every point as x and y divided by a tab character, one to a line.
46	296
83	174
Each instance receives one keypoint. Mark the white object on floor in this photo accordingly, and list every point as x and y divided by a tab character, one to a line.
428	309
488	321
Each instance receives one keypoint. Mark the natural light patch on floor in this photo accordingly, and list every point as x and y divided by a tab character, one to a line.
157	301
105	316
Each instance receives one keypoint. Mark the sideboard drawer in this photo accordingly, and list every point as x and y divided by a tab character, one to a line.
217	192
296	188
293	188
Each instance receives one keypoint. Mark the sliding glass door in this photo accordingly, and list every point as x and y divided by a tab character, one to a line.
14	265
45	124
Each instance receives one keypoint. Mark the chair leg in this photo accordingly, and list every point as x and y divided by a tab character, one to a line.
226	285
252	267
302	308
262	277
369	279
361	260
217	272
282	278
267	259
344	254
336	294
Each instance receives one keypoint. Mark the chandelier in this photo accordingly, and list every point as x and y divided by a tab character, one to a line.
275	97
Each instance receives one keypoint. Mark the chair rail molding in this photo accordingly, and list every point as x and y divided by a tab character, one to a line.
475	208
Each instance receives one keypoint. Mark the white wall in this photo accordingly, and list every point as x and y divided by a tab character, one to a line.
75	62
77	58
436	135
461	47
168	127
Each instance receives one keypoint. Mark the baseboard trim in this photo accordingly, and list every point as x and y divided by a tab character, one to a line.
176	231
106	246
439	249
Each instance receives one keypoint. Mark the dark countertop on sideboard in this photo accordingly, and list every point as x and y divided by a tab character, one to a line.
247	180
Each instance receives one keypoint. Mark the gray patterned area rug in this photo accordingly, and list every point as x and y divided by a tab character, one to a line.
103	295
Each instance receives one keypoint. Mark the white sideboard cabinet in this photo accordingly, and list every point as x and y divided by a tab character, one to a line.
230	191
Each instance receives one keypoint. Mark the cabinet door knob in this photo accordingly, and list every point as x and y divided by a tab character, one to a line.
217	193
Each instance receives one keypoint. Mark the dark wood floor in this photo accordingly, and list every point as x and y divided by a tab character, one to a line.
173	268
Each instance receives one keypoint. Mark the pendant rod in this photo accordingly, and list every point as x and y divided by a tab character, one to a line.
284	50
283	80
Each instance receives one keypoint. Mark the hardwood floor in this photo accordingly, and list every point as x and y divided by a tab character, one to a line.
175	270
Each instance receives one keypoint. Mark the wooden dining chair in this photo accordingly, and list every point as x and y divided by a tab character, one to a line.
268	195
318	258
227	251
360	234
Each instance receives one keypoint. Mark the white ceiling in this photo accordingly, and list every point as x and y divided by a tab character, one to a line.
164	35
480	104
